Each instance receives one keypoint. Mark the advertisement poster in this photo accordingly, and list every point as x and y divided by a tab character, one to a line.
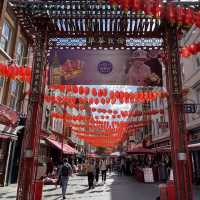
105	67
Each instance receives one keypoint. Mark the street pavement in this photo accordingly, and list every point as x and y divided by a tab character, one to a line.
116	188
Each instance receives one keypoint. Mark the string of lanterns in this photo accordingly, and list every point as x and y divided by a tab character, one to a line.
16	73
81	117
173	13
114	98
189	50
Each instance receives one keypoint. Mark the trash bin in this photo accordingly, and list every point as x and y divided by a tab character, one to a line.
171	193
37	188
163	192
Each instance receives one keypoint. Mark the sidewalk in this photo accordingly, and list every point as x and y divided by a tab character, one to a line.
116	188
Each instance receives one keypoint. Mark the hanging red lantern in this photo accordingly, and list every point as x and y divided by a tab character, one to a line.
81	90
125	5
100	92
121	95
189	16
113	101
107	100
75	89
171	13
180	10
112	94
105	92
96	101
117	94
185	52
136	5
197	18
103	101
94	92
91	100
86	90
192	48
93	109
159	11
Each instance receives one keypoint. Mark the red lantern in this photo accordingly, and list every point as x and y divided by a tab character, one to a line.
96	101
100	93
107	100
94	92
185	52
103	101
86	90
113	101
112	94
81	90
117	94
136	5
189	16
180	10
171	13
75	89
105	93
197	18
91	100
192	49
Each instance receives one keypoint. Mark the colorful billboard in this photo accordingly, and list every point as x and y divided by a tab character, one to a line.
105	67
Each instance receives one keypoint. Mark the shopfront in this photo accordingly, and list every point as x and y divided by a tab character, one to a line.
194	147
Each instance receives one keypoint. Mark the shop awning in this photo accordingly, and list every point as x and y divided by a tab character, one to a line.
116	154
7	132
4	137
66	148
194	146
92	155
8	117
141	150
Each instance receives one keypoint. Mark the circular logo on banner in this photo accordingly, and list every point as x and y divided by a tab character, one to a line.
105	67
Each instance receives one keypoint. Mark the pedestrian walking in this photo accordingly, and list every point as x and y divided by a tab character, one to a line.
65	172
97	170
103	169
90	173
122	167
109	164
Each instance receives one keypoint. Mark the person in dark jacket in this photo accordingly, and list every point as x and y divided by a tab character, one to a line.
65	173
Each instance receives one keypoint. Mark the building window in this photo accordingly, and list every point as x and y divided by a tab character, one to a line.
6	37
19	52
14	89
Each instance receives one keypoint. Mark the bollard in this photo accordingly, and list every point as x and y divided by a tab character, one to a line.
171	193
38	188
163	192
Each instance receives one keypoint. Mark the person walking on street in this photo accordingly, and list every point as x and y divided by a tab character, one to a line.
122	167
90	174
109	166
97	170
65	172
103	169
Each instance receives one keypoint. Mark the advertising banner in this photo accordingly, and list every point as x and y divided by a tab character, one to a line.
105	67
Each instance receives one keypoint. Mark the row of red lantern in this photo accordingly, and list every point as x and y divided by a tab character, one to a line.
101	141
94	126
86	118
14	72
190	50
137	97
96	133
91	120
107	95
114	128
173	13
115	112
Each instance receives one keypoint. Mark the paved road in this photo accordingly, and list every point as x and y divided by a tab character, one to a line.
116	188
